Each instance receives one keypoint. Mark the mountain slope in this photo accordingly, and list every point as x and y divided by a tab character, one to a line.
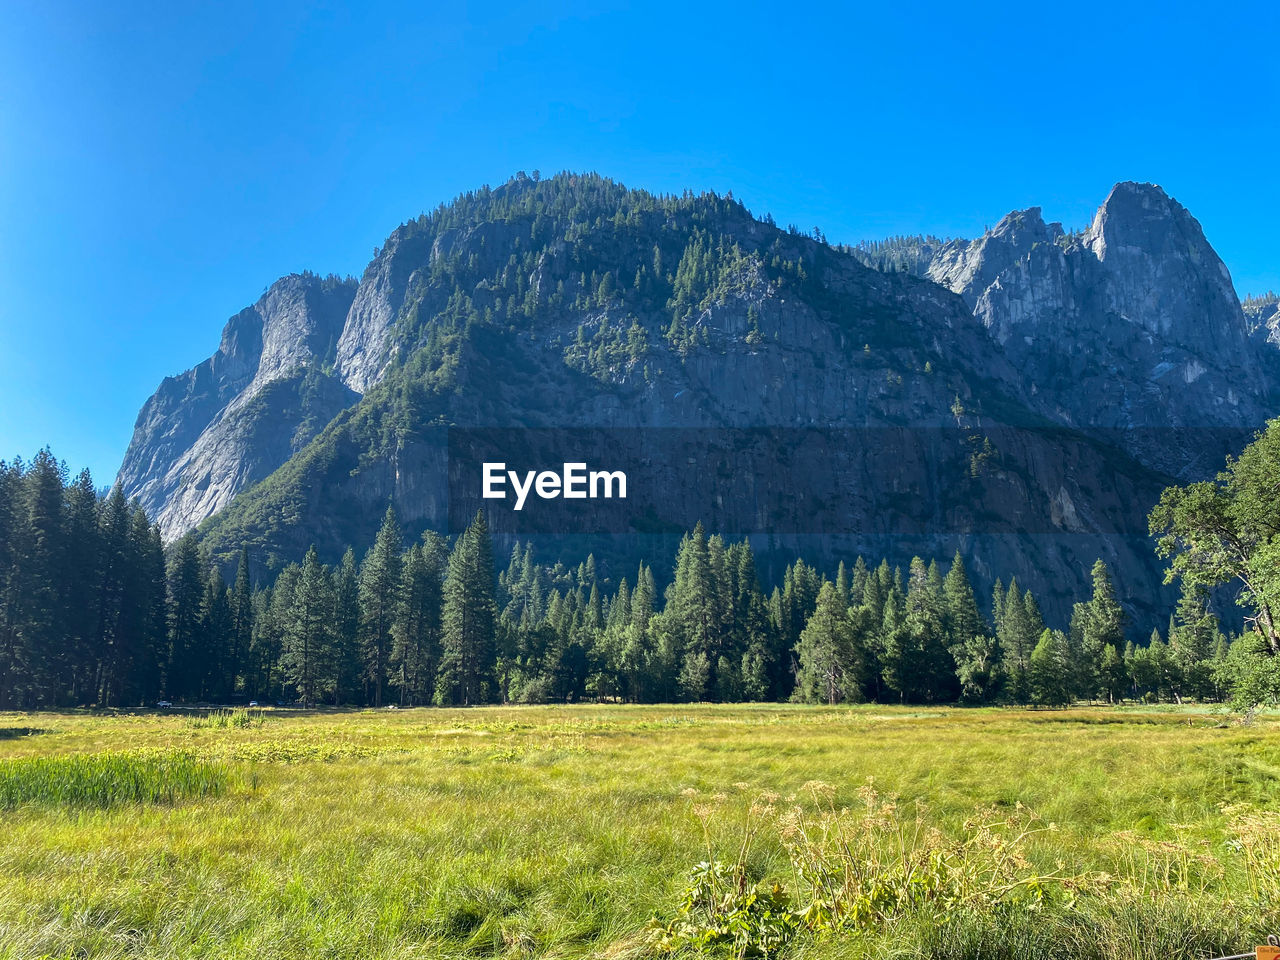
220	427
576	302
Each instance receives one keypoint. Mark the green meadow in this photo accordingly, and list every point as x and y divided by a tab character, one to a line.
579	831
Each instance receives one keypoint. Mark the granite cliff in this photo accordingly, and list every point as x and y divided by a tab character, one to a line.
220	427
1094	366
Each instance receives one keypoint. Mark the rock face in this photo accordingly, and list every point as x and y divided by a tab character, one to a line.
577	303
210	432
1132	325
1263	315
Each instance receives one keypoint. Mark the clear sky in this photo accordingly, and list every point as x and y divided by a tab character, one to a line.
160	164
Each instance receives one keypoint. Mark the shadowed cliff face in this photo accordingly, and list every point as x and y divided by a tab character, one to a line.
575	303
218	428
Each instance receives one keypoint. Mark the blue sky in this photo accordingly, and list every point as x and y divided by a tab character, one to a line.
161	164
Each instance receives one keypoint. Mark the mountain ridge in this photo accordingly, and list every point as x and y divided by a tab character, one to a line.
574	301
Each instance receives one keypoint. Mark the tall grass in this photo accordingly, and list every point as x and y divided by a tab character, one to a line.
559	832
107	779
880	874
238	718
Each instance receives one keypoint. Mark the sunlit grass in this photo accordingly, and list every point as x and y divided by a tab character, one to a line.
559	832
107	779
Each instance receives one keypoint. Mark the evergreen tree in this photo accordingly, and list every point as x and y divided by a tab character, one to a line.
41	565
209	657
347	665
182	670
826	653
418	626
1192	641
1050	670
469	620
897	658
241	620
306	657
82	576
692	617
380	602
11	528
1102	626
1017	635
112	630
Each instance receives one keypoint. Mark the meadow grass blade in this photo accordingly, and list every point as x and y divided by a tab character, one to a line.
108	779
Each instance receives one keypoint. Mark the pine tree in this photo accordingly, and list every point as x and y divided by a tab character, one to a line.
897	658
1017	636
347	668
939	675
1050	670
209	657
112	631
306	657
826	653
380	602
1102	626
182	668
692	617
81	651
1192	640
241	619
970	642
418	626
469	620
10	581
41	564
271	626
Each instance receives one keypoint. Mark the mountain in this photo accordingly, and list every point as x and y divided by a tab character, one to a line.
222	426
1039	387
1132	325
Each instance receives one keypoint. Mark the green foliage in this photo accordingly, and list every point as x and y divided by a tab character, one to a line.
1227	531
1051	673
124	620
380	601
721	911
469	620
108	779
234	719
859	870
829	659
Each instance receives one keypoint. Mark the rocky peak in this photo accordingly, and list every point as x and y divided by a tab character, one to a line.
969	267
1164	275
190	452
1133	323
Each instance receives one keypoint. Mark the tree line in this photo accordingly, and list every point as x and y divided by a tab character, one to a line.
95	609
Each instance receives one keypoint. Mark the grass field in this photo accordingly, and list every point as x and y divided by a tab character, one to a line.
566	832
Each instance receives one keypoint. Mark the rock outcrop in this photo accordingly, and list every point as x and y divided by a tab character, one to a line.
210	432
1263	315
1132	325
